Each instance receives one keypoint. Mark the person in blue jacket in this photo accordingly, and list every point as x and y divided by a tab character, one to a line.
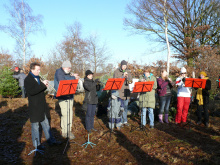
65	102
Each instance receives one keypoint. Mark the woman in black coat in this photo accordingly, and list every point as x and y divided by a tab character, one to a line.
202	97
91	99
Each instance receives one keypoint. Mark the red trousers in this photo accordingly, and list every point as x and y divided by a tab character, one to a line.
182	109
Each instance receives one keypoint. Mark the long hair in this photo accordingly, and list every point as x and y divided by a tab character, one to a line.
161	71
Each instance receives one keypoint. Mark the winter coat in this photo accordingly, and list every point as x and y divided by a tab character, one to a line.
20	77
90	87
205	92
124	91
147	99
61	75
115	105
36	99
162	86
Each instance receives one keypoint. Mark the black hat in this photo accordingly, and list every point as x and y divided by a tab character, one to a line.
123	62
88	72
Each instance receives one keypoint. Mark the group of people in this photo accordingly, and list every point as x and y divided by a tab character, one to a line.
118	102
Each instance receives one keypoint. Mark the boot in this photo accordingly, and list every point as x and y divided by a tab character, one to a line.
160	118
166	118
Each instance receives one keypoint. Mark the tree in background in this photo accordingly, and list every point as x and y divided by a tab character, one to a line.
98	54
186	20
8	85
6	59
21	24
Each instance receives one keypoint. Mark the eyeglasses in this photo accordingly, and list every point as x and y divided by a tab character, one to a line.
183	73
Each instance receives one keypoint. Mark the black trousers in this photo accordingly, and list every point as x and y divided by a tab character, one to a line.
204	108
90	113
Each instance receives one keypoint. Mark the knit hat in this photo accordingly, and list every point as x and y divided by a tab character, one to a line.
66	64
123	62
88	72
16	68
183	70
203	73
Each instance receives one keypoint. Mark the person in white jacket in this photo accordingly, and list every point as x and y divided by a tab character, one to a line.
183	98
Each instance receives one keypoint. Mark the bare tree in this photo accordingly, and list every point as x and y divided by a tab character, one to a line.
98	54
74	48
186	20
21	24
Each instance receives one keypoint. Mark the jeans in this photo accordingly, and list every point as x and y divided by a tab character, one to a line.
91	108
66	107
124	114
150	114
164	104
35	132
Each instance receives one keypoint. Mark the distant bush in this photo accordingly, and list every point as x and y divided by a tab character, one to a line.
8	85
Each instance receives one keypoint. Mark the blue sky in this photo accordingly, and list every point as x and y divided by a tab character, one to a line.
102	17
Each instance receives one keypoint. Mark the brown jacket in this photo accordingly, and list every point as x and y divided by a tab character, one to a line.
124	91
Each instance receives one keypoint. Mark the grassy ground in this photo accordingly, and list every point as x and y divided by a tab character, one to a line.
165	144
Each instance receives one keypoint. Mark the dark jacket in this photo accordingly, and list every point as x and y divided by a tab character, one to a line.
90	87
162	86
205	92
124	92
36	99
61	75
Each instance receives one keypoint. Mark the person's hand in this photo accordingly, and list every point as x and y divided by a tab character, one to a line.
125	74
170	79
46	82
97	80
76	75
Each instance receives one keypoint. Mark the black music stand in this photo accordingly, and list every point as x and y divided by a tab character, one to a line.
67	87
113	84
194	83
142	87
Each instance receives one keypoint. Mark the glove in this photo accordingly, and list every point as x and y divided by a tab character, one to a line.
114	97
184	79
97	80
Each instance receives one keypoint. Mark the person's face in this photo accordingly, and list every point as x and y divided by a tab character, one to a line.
36	70
147	74
183	74
90	76
164	74
123	67
202	76
67	70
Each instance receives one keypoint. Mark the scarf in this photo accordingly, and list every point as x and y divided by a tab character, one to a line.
148	76
199	96
37	77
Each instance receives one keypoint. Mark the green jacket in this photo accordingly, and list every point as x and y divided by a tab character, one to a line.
147	99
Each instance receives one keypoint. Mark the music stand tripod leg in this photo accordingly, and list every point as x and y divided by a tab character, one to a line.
68	124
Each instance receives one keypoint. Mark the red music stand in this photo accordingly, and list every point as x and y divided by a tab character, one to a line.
142	87
113	84
67	87
195	83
